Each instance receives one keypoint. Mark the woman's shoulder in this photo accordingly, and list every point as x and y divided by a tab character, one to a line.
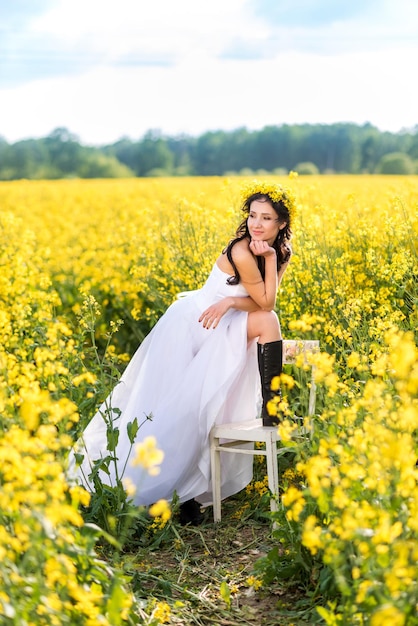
243	257
241	250
240	254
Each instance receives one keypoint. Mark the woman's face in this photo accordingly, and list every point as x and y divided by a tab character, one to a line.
263	223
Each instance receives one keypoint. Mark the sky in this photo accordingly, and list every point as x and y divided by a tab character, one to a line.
107	69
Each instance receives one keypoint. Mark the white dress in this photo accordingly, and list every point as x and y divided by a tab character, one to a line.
188	378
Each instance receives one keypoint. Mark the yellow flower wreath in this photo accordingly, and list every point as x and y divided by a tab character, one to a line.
277	193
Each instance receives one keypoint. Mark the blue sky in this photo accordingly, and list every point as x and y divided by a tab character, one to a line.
106	69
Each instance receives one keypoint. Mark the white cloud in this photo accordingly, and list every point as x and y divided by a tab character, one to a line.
132	26
137	70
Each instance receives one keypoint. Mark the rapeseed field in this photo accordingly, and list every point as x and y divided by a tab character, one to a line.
88	267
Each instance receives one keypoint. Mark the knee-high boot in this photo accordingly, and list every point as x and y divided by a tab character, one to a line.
270	364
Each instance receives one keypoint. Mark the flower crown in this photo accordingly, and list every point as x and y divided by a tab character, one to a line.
275	192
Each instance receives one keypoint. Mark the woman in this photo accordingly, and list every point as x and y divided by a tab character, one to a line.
201	364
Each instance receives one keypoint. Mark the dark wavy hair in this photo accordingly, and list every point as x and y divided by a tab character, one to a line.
242	232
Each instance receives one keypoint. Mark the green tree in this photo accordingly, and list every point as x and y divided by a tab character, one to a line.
208	154
182	149
6	172
126	151
29	159
335	147
306	168
153	154
396	163
413	148
65	152
98	165
369	149
236	148
268	153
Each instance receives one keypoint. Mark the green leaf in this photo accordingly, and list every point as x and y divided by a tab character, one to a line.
132	429
225	593
115	604
79	458
112	438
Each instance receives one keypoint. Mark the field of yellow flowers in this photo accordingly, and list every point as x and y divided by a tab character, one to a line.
86	269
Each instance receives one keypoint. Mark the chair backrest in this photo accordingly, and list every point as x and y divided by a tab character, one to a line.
292	348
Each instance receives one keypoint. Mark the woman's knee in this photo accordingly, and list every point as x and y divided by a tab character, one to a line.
263	324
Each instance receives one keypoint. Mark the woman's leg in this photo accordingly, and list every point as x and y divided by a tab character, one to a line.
265	326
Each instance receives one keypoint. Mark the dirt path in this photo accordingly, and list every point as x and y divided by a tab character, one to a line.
208	570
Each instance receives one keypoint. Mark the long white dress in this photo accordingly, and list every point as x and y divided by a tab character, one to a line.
188	378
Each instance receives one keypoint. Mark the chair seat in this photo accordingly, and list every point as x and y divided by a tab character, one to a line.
247	431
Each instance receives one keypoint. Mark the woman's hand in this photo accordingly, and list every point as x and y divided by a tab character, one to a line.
261	248
213	314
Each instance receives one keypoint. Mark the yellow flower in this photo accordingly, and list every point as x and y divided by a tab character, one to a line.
30	414
285	380
87	377
148	455
387	615
254	582
129	486
353	360
80	495
311	535
161	509
286	430
293	500
291	495
161	613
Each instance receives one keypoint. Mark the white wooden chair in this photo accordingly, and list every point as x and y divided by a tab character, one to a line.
234	437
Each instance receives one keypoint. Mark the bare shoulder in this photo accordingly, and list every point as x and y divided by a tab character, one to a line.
243	259
245	262
241	251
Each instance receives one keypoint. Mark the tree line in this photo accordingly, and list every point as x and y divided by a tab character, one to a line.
305	148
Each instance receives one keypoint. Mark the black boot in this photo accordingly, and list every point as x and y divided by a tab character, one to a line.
270	364
190	513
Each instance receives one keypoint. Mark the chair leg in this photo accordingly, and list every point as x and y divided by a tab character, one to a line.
216	478
272	472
